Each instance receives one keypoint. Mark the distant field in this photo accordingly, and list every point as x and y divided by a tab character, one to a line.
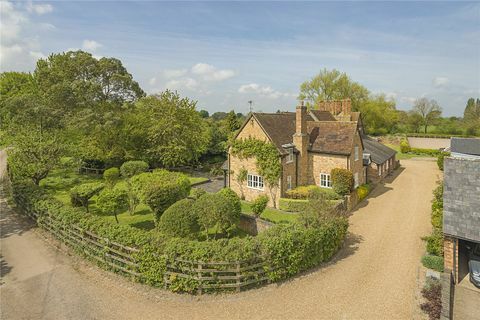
429	143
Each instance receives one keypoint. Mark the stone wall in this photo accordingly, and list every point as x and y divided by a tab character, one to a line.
253	225
323	163
461	200
446	281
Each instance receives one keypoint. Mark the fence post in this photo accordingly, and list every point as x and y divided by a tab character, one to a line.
239	287
200	280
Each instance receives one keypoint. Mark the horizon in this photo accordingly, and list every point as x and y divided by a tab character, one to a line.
225	54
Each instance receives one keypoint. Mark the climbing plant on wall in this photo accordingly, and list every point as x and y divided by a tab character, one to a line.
267	157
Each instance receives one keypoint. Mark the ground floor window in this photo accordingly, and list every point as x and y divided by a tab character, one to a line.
254	181
289	182
325	180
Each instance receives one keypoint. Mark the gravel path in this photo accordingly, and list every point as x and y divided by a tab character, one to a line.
372	277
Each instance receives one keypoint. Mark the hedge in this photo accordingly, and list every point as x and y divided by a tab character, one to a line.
363	191
286	249
292	205
429	152
433	262
342	180
304	192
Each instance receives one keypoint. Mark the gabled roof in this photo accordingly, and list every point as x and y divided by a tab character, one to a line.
379	152
320	115
332	137
280	127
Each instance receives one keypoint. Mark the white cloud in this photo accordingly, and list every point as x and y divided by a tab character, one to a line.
266	91
37	55
174	73
152	81
91	45
188	83
211	73
439	82
39	9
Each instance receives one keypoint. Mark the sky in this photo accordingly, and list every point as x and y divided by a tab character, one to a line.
224	54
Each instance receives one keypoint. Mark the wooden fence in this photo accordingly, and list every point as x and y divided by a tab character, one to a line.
218	276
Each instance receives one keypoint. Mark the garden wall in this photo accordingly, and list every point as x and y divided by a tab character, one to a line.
253	225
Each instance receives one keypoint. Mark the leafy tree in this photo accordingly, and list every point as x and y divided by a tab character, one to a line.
34	154
112	201
204	114
332	85
111	176
214	211
232	122
414	121
429	110
259	204
180	220
81	194
176	134
472	110
241	177
132	168
379	115
231	196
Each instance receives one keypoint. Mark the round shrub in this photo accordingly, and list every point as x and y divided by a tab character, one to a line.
196	193
259	204
112	201
214	210
342	181
363	191
405	146
81	194
132	168
179	220
233	198
111	176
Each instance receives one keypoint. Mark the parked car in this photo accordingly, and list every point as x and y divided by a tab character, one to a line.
474	264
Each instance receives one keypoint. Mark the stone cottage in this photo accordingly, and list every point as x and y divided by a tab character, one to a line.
310	144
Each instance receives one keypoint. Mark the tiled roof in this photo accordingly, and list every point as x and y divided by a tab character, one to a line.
379	152
332	136
319	115
466	146
327	136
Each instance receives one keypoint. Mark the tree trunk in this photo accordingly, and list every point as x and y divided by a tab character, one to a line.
426	128
116	218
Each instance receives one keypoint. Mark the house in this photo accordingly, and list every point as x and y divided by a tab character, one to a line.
309	143
461	204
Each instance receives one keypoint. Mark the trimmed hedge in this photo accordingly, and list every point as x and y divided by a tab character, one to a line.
293	205
405	146
81	194
429	152
287	249
433	262
259	204
305	192
342	181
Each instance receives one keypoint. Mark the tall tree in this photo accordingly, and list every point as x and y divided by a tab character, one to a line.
333	85
379	115
429	110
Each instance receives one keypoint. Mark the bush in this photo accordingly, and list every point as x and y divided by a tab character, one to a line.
433	262
440	159
81	194
342	181
215	211
259	204
132	168
179	220
363	191
317	211
435	243
293	205
111	176
160	189
427	152
404	146
304	192
112	201
196	193
433	294
233	198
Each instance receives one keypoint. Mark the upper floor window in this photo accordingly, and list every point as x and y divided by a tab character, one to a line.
290	155
254	181
325	180
356	153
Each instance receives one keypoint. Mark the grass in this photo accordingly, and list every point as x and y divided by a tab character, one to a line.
271	214
402	156
195	180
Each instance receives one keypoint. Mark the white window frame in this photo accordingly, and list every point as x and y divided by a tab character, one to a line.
289	182
379	168
325	180
356	153
255	181
355	178
290	155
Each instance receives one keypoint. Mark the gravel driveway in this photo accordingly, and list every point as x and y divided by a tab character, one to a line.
372	277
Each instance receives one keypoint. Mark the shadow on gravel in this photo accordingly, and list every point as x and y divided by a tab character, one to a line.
12	223
4	268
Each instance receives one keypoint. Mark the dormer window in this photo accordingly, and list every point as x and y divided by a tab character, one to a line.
290	155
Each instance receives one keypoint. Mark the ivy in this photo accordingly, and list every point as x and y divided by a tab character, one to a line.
266	153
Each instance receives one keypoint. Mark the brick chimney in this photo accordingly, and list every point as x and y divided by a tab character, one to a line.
301	141
337	107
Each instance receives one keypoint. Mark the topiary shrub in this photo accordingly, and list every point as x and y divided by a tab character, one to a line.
292	205
404	146
132	168
433	262
81	194
342	181
259	204
180	220
233	198
196	193
112	201
111	176
215	212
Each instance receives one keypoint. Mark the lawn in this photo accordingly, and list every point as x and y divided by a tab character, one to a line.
60	181
402	156
197	180
271	214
